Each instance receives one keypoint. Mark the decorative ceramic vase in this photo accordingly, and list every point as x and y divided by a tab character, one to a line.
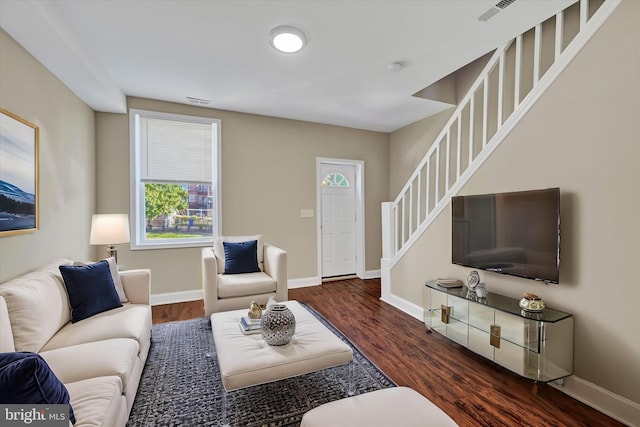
481	290
278	325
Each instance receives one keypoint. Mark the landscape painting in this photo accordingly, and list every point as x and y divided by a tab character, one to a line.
18	175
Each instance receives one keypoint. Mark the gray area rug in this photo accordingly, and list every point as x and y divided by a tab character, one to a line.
180	385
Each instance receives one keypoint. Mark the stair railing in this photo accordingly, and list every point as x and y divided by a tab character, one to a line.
510	83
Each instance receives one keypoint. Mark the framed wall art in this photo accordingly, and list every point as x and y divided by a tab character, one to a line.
18	175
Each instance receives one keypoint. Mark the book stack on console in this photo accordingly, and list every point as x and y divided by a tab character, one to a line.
250	326
450	283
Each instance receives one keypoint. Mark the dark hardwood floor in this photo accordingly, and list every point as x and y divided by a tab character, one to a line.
471	389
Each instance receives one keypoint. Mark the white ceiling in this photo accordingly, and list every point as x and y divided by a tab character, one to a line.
105	50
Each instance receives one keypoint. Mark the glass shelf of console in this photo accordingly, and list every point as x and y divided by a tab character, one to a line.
502	303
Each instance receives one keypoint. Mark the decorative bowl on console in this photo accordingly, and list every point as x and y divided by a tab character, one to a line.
531	302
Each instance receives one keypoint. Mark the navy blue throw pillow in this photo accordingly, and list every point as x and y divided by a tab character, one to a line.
25	378
90	288
241	257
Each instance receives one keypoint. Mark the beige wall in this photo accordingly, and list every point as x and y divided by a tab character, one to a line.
583	137
268	176
67	162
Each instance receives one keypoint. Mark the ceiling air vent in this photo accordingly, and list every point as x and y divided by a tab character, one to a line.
198	101
494	10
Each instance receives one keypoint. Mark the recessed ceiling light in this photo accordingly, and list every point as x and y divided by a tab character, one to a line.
287	39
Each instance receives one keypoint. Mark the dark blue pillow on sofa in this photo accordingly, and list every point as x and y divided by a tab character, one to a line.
90	288
241	257
25	378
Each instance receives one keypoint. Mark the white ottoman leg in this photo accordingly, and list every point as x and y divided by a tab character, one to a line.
351	390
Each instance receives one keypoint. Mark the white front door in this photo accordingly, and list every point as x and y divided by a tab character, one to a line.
338	219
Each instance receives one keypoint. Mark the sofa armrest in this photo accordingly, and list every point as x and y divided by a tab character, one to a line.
275	265
209	280
137	285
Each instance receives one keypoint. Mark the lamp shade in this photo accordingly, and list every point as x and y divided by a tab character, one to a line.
109	229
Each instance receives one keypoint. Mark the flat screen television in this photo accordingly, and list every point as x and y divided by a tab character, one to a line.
510	233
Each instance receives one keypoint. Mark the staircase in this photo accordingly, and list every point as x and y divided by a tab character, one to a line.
512	80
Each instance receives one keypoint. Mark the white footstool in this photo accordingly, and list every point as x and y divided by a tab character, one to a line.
246	360
396	406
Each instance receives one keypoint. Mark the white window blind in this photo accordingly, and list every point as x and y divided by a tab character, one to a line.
175	177
175	151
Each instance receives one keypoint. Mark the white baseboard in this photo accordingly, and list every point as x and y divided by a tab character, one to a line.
174	297
372	274
402	304
315	281
184	296
304	282
617	407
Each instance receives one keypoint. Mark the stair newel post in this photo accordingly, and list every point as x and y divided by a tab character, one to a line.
389	247
388	227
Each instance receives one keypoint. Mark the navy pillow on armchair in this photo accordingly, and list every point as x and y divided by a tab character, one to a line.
25	378
91	289
241	257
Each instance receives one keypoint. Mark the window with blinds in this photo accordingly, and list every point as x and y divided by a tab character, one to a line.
175	179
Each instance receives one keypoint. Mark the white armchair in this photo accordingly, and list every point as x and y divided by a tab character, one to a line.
224	292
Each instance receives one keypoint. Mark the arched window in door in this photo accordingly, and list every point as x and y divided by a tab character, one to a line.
335	179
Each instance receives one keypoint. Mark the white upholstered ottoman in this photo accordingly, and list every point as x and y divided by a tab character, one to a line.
246	360
396	406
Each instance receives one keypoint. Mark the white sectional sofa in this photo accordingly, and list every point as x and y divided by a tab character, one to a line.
98	359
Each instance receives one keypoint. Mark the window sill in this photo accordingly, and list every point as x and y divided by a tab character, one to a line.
170	245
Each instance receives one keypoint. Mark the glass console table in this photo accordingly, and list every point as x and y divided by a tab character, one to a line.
535	345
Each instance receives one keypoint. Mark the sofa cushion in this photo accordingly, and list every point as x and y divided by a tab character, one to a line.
241	257
238	285
38	305
26	378
218	248
115	357
98	402
6	335
91	289
115	275
129	321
